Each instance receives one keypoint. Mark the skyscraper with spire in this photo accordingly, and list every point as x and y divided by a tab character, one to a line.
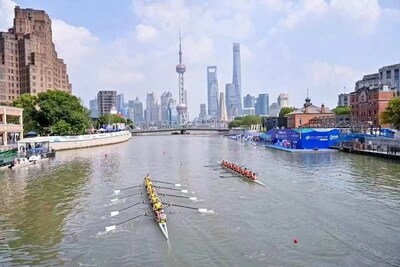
237	77
181	108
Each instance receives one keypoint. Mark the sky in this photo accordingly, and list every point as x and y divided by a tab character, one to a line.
287	46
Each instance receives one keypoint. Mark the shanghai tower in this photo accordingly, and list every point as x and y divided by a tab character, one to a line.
237	77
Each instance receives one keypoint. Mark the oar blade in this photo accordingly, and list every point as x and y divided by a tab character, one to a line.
202	210
178	185
184	191
192	198
110	228
117	192
114	213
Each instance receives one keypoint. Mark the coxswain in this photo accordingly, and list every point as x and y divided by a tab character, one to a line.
163	217
147	177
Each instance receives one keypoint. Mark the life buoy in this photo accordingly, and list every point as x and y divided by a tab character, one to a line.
22	148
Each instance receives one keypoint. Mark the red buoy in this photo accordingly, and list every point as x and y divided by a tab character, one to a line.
295	241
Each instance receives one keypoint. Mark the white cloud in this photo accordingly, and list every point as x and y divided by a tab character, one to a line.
145	33
301	13
198	49
6	14
365	13
73	43
278	5
327	80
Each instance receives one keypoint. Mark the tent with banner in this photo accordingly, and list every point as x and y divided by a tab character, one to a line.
304	138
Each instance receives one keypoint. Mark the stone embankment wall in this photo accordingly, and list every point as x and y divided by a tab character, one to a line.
81	141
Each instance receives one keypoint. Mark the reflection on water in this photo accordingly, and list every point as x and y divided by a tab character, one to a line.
342	208
34	209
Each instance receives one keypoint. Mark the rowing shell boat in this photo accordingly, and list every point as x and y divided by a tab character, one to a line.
163	225
239	174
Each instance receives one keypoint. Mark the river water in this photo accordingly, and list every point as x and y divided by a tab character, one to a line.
342	209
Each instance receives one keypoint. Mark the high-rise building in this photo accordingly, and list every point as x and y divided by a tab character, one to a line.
166	98
212	91
172	112
181	108
230	101
262	105
151	107
249	101
28	60
203	112
137	107
343	100
274	109
130	114
94	108
106	101
283	100
120	103
237	76
222	108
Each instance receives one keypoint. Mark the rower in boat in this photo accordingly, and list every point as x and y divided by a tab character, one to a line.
158	207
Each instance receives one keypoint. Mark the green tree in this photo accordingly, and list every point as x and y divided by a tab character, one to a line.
110	119
342	110
251	120
61	128
245	121
50	113
392	113
285	111
29	117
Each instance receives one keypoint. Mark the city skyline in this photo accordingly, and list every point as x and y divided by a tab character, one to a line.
285	47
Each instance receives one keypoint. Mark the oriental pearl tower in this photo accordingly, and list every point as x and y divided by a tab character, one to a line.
181	108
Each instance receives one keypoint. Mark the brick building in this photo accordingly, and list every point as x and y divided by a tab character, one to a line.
372	94
368	103
301	117
28	60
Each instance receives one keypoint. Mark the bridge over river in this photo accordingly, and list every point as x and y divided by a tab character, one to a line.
164	126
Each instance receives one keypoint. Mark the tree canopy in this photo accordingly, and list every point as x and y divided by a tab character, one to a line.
53	112
245	121
342	110
110	119
285	110
392	113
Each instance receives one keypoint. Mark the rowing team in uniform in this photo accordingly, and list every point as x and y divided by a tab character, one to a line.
243	171
155	201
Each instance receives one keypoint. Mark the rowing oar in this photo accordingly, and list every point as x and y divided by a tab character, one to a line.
131	195
119	190
169	195
162	182
116	212
233	176
212	165
175	189
112	227
187	207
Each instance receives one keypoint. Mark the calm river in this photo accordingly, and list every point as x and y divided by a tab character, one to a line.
342	209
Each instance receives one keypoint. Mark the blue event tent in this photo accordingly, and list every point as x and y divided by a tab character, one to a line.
304	138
